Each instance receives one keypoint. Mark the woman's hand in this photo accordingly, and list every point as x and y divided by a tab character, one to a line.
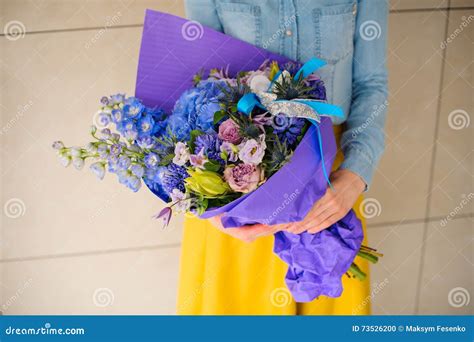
246	233
334	205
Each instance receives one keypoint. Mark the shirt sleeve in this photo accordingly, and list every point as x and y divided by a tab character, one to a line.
203	11
363	139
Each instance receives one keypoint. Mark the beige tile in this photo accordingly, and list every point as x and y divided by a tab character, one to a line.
67	211
452	184
461	3
394	277
447	283
414	63
41	15
418	4
140	282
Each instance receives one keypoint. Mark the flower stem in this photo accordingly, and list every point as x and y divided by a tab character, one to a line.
356	272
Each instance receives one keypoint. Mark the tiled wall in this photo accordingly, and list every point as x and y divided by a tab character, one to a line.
70	244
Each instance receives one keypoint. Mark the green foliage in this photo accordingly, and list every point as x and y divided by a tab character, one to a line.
219	115
233	93
291	88
246	127
276	156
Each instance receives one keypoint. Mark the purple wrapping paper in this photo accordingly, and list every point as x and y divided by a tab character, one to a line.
316	262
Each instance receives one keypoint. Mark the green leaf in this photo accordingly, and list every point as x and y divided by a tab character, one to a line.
166	160
218	116
212	165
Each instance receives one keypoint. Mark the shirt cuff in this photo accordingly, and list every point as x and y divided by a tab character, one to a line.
360	163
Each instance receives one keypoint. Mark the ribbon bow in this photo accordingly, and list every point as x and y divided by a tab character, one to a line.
311	110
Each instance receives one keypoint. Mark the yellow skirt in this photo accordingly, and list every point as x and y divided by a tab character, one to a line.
221	275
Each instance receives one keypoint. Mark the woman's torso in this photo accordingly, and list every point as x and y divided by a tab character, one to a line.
300	30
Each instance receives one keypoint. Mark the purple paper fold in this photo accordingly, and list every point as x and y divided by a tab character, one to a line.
316	262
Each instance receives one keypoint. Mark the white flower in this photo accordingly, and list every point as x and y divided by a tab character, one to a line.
252	151
64	160
181	154
181	200
78	163
259	83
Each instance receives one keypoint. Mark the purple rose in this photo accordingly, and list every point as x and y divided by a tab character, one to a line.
243	177
229	131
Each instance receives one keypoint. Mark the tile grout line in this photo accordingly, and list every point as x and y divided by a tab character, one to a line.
92	28
434	9
432	167
76	29
91	253
174	245
417	220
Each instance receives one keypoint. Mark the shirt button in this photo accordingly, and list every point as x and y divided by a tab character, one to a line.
354	9
289	33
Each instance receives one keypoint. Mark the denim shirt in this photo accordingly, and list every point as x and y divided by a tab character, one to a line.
349	35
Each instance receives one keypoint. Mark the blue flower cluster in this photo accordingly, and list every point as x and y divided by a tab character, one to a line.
139	125
287	128
195	109
132	119
210	145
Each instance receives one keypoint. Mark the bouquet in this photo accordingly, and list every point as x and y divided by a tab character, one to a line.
234	144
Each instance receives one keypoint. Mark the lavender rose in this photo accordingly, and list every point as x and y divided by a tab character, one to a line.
229	131
243	177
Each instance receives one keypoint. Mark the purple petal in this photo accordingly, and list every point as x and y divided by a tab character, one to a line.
165	216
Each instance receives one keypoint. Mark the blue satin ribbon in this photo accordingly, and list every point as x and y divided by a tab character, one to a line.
309	67
249	101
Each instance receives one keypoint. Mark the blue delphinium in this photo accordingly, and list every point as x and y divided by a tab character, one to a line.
210	144
195	109
287	128
133	108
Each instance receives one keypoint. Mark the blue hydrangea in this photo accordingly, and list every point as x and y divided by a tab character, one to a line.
195	109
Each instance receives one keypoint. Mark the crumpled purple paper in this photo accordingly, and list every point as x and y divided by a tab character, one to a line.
316	262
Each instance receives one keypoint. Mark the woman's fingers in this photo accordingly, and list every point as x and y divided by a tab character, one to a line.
313	220
325	224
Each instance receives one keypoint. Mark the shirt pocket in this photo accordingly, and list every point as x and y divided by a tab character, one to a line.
241	21
334	31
